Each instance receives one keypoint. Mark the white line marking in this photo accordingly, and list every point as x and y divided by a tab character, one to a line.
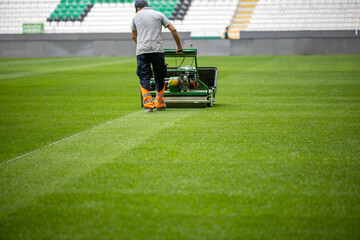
62	140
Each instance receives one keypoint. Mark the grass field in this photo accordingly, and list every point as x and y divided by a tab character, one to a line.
278	157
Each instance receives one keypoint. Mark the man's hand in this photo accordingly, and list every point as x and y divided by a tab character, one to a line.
179	50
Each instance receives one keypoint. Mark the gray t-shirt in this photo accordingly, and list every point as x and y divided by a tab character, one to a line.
148	24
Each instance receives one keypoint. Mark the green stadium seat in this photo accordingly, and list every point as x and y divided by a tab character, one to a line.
53	16
77	13
61	7
68	14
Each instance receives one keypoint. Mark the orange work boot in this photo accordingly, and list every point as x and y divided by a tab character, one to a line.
159	101
147	98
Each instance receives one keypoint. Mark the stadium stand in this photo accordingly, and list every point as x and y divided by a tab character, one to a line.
14	13
108	16
103	17
242	17
296	15
203	18
207	18
186	15
71	10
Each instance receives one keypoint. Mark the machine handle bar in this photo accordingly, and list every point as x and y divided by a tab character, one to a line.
185	51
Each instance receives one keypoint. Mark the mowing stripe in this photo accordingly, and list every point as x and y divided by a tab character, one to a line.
24	62
91	65
67	138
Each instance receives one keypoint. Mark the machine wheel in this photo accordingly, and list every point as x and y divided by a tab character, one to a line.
211	103
212	98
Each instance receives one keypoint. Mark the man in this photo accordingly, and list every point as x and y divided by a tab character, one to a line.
146	29
226	33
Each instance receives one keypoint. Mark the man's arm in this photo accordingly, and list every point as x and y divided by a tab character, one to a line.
176	37
134	36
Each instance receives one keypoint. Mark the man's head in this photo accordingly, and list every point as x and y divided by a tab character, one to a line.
139	4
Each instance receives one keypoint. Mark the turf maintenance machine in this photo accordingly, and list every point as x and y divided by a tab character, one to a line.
186	84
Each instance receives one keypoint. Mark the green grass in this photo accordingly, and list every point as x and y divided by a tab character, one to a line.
278	157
